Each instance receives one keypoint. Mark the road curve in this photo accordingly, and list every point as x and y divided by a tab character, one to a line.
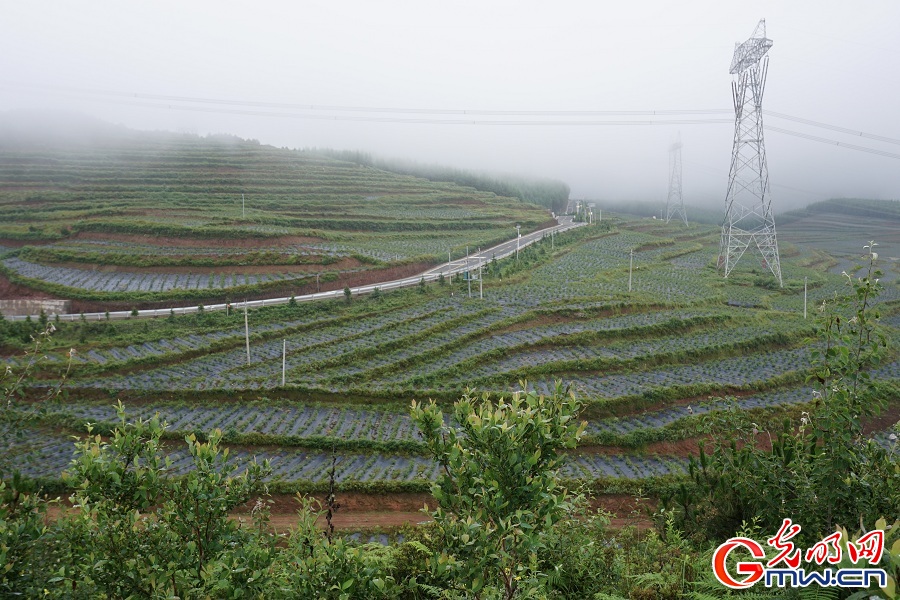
475	260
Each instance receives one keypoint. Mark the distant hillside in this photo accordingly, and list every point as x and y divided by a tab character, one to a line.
695	214
857	207
842	226
93	211
550	193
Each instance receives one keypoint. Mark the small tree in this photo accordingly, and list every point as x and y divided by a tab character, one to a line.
348	295
498	492
186	546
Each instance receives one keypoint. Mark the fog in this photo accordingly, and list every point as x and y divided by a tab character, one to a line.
469	84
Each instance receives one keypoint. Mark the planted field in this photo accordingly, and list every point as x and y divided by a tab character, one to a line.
146	217
653	365
46	455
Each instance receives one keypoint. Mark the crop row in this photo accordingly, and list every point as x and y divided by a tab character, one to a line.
730	372
484	349
47	455
600	267
305	366
694	260
833	286
386	350
348	347
438	342
353	423
892	321
118	281
389	246
305	351
667	416
170	347
582	356
112	247
347	423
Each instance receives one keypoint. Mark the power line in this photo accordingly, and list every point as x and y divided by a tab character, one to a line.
433	111
422	120
814	138
709	169
854	132
368	109
135	99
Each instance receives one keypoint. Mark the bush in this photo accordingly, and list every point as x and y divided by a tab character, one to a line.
499	490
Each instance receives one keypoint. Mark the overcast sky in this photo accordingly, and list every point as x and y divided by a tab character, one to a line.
833	62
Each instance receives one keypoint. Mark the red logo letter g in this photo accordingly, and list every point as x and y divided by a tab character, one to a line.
753	570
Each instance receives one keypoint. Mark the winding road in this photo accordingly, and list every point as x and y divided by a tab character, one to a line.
474	261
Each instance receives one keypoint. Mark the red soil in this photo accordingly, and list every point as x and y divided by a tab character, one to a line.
366	511
9	290
345	263
177	242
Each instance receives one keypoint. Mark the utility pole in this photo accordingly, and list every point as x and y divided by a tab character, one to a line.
480	284
552	239
518	237
630	266
283	360
449	269
243	210
247	331
468	273
317	283
804	297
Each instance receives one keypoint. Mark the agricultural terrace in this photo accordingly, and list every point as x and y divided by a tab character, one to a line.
657	366
139	219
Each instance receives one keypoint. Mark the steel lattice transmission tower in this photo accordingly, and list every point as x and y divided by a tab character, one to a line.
675	201
748	204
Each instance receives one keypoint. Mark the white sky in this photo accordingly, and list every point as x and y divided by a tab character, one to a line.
832	61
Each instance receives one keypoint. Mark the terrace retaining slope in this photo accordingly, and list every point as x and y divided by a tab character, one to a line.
24	307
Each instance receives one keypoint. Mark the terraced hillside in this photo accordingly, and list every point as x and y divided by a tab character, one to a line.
136	218
655	365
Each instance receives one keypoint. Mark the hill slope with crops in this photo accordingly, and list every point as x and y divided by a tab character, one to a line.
140	218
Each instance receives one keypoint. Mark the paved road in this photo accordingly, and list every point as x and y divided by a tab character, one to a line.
454	267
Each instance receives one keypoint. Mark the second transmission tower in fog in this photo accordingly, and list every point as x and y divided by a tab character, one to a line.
748	204
675	201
